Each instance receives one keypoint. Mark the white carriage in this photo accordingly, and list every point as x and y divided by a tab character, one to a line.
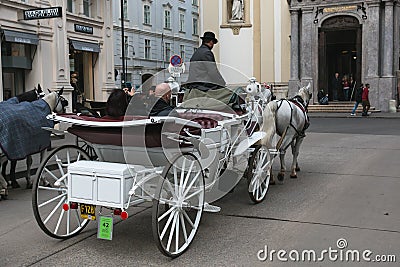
181	163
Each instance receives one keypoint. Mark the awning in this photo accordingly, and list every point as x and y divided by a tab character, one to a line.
84	46
21	37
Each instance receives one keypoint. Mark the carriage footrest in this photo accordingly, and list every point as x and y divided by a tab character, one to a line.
211	208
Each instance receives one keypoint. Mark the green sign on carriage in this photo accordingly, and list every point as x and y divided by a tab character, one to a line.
105	228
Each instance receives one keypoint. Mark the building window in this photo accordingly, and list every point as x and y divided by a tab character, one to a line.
147	49
195	26
125	10
86	7
70	6
182	52
195	2
167	51
167	19
182	22
146	14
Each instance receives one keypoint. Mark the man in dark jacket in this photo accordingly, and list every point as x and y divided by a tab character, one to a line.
203	72
162	106
358	98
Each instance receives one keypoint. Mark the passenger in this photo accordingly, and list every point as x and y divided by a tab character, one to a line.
117	103
162	106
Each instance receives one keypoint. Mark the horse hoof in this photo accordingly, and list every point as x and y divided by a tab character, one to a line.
281	177
272	182
297	169
29	185
293	176
15	184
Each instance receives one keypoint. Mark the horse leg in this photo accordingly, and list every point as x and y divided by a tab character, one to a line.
281	174
28	172
13	179
295	152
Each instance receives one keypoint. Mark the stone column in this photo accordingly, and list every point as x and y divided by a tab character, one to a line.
294	40
106	57
1	77
372	31
388	40
61	52
306	57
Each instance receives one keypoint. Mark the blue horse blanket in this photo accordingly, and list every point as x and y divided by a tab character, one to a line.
20	127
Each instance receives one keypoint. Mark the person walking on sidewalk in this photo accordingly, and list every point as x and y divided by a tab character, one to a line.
365	100
358	98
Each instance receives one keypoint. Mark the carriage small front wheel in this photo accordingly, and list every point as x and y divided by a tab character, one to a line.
178	205
259	174
50	193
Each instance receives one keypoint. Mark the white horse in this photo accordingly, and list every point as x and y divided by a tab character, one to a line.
287	118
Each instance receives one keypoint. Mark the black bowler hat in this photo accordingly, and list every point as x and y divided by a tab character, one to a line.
209	36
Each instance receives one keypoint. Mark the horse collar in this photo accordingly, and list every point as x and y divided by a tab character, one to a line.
299	102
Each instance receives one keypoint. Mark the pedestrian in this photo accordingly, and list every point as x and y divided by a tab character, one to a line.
322	98
203	72
365	100
76	92
3	187
336	86
346	88
358	99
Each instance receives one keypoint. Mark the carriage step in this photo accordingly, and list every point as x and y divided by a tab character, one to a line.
211	208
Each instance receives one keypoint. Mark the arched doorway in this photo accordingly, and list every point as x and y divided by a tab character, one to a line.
340	50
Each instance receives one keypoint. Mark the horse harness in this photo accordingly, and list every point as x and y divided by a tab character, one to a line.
299	102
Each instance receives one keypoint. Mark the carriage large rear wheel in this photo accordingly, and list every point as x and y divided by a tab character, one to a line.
178	205
50	193
259	174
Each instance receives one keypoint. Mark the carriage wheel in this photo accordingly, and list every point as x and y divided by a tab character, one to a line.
259	173
48	196
178	205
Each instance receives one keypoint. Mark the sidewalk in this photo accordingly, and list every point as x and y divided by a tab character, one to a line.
375	115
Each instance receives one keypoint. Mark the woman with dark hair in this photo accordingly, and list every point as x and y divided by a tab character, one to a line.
117	103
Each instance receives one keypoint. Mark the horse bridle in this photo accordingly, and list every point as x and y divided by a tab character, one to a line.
63	101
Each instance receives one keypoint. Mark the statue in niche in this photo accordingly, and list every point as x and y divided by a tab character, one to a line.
237	10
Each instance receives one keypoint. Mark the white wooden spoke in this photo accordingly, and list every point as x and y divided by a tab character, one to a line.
167	225
52	199
175	180
59	221
177	232
68	158
68	216
171	189
54	210
59	164
51	188
194	194
183	226
166	214
188	219
182	177
191	184
171	232
51	174
188	176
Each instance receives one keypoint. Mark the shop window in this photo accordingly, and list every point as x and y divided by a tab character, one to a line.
15	50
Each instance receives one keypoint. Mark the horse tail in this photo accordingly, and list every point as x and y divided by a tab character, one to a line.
269	123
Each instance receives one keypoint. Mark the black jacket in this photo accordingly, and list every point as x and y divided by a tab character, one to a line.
161	108
203	72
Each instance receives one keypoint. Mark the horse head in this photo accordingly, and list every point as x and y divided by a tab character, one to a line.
31	95
56	101
305	94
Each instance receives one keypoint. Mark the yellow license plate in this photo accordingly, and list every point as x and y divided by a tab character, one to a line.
88	212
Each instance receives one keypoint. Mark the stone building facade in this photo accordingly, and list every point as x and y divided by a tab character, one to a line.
355	38
49	50
153	32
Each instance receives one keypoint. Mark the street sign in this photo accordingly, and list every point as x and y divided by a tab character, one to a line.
175	60
43	13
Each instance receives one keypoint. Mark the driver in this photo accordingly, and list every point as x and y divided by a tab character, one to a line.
203	72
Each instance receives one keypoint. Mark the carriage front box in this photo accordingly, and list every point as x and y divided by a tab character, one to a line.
100	183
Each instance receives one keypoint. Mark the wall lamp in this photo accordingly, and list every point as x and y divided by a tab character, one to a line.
363	10
317	12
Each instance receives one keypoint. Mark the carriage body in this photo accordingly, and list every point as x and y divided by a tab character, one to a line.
180	163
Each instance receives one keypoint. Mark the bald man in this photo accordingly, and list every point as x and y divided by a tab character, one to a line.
162	106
